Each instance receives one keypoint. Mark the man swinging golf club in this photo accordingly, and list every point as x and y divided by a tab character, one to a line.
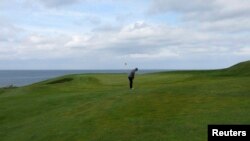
131	77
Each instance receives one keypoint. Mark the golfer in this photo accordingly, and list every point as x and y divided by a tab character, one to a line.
131	77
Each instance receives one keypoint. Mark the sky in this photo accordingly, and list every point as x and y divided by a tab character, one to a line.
107	34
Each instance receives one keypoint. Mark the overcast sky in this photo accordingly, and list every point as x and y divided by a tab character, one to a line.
104	34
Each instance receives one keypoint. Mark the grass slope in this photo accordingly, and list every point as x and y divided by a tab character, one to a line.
174	106
239	69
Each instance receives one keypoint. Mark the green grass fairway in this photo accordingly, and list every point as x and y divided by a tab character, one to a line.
170	106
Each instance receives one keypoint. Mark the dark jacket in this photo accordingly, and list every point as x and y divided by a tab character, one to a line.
132	73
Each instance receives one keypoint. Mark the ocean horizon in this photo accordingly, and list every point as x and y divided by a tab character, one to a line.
26	77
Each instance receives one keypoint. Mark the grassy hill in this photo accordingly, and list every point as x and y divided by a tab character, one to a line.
173	106
242	68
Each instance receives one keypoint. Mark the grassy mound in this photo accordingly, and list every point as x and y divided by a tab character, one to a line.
172	106
240	69
62	80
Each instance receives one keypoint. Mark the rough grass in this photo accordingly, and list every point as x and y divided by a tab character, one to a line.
174	106
62	80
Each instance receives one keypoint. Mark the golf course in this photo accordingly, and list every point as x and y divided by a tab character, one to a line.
164	106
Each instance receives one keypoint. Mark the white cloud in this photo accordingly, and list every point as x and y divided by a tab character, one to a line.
57	3
217	29
139	40
9	32
222	15
161	54
245	51
159	6
203	10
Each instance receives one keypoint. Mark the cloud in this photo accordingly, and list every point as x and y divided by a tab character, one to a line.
122	17
224	26
106	28
58	3
215	30
161	6
203	11
245	51
213	15
8	32
161	54
140	40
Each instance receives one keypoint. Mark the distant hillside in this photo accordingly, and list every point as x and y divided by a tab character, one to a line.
242	68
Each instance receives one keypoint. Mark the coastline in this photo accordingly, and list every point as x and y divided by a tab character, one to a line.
18	78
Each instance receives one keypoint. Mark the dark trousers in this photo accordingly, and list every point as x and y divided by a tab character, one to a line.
130	82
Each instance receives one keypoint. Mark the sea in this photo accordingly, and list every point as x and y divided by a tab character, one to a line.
26	77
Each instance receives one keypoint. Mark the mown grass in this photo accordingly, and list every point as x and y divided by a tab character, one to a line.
173	106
